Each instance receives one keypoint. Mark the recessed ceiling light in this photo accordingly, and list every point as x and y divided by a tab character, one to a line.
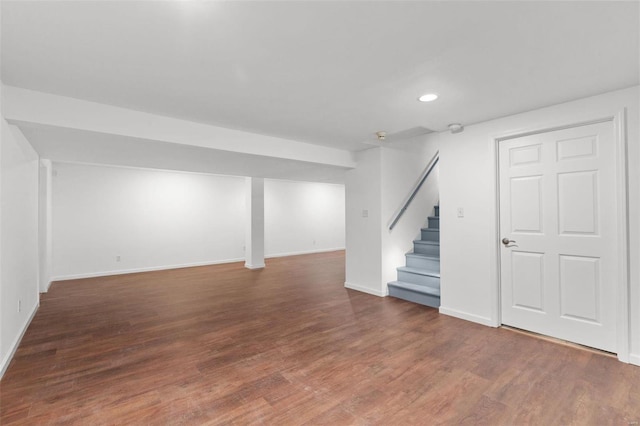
428	97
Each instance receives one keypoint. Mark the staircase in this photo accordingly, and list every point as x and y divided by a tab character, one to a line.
419	280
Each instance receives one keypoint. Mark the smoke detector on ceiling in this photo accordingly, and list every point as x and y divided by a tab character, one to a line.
381	135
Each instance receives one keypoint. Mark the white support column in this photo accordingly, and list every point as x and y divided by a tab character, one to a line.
254	229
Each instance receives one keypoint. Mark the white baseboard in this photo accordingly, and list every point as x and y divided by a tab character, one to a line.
16	342
258	266
136	270
364	289
467	316
634	359
296	253
182	265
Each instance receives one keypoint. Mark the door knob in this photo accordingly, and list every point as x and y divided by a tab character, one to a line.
507	241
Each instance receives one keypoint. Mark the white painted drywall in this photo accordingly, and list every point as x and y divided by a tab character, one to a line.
363	222
18	238
37	108
157	219
303	217
80	146
151	219
467	180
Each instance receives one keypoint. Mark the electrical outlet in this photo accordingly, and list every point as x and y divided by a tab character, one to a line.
460	212
117	258
365	213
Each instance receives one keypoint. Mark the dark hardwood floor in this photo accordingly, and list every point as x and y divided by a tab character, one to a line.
289	345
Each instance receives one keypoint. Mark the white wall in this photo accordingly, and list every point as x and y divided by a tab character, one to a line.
151	219
303	217
157	219
363	236
467	179
18	238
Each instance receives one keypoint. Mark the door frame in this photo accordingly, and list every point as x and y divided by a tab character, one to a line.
618	119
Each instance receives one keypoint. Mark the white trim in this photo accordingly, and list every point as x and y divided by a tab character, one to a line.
551	127
258	266
467	316
16	342
634	359
179	266
2	123
622	181
297	253
136	270
495	319
623	290
365	289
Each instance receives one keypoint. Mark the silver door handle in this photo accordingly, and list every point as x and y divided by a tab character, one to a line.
507	241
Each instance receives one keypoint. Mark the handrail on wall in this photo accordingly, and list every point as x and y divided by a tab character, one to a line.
416	188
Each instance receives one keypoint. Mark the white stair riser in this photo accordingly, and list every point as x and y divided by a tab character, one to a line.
410	277
423	263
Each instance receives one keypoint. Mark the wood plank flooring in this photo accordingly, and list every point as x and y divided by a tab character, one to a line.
289	345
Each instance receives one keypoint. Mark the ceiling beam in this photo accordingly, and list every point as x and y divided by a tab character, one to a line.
38	108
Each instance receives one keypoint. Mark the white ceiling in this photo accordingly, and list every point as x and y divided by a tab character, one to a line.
329	73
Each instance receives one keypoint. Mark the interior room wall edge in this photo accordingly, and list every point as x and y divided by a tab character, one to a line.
6	360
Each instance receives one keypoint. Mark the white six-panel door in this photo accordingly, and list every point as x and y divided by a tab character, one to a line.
558	206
